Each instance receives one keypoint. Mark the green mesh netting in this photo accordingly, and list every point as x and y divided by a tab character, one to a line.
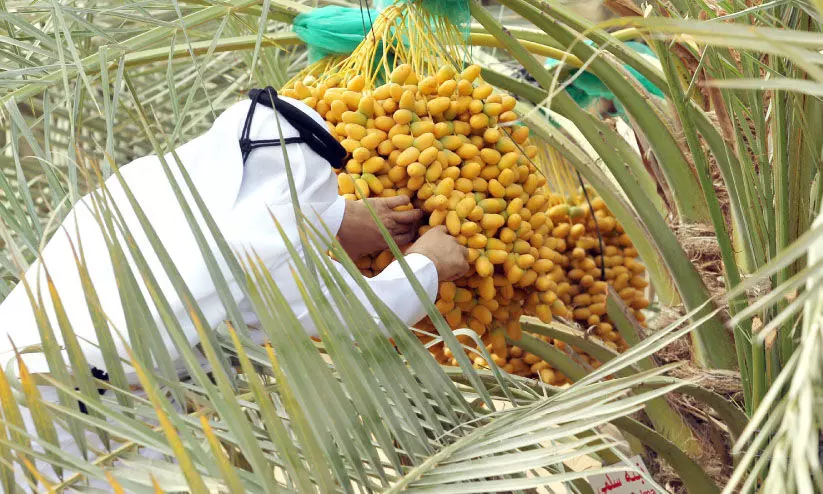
586	89
456	11
333	30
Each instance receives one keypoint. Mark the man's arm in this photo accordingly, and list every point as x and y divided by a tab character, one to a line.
392	286
434	257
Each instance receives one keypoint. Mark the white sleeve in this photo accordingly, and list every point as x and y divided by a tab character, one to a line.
393	288
391	285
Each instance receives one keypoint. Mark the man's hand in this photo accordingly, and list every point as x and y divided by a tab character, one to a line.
449	257
359	234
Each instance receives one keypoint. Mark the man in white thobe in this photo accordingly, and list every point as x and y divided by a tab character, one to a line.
243	187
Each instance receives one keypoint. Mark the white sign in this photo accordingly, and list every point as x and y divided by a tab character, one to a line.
623	482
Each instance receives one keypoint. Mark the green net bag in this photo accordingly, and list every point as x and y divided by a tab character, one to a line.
455	11
586	88
333	30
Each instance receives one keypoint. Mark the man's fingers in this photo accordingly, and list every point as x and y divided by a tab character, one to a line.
394	201
435	229
407	217
457	276
405	238
465	251
466	266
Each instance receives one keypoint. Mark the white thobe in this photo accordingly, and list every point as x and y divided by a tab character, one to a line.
241	199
